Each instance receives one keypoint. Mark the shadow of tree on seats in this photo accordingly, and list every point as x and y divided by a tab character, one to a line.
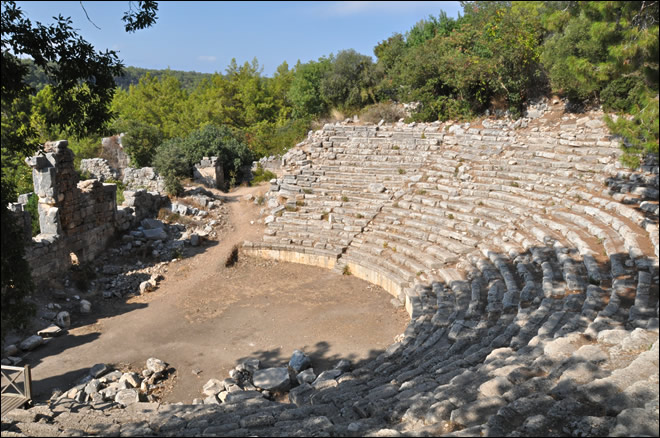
319	355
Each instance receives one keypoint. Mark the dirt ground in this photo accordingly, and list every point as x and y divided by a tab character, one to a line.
206	318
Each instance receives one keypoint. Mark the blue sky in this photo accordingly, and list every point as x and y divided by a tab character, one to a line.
205	36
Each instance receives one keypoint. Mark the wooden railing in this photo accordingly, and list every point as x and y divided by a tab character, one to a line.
15	392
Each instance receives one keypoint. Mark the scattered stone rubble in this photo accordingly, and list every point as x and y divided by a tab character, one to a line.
103	385
248	380
134	264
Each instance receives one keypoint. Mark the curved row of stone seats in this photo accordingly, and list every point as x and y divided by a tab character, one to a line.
645	217
622	277
530	281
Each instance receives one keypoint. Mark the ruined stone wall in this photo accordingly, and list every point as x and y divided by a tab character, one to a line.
209	172
113	151
99	168
144	178
272	163
74	216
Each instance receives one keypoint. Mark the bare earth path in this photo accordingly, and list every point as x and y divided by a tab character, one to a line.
206	317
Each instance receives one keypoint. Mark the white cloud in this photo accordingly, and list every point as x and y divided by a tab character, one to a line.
347	8
206	58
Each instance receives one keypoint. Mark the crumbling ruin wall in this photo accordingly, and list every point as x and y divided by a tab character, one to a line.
272	163
74	216
144	178
209	172
113	151
98	168
77	219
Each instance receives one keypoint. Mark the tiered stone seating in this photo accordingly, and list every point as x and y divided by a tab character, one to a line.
532	287
546	262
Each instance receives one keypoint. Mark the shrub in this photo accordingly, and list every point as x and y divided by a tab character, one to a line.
621	94
640	133
221	142
173	185
261	175
171	163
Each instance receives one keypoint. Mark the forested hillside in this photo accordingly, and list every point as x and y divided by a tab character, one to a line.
37	78
494	57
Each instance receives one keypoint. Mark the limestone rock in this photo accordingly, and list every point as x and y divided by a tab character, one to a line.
306	376
155	234
213	387
299	361
32	342
50	331
376	188
63	319
127	397
98	370
85	306
272	379
156	365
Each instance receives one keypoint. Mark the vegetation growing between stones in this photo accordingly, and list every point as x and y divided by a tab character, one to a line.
32	207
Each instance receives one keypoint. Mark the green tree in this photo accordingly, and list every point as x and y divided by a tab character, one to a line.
594	43
159	102
350	81
305	93
389	53
428	29
140	140
608	52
